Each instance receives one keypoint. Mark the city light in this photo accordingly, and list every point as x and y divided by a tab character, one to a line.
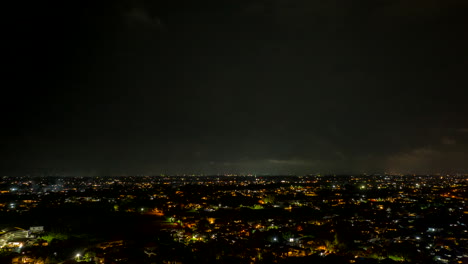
187	214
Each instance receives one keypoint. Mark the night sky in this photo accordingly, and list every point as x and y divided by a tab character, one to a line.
222	86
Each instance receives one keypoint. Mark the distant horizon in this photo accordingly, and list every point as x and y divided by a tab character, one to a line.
234	175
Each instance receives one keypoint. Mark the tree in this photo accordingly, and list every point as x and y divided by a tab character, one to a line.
54	235
89	255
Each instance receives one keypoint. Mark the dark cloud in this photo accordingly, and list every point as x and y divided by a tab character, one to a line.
448	141
427	161
252	86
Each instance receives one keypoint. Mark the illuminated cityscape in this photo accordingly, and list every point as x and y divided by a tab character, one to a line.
235	219
234	132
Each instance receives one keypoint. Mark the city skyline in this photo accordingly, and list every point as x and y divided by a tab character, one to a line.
234	219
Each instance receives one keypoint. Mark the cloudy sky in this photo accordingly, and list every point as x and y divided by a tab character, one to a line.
251	86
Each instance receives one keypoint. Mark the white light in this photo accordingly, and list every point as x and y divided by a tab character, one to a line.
291	240
78	255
